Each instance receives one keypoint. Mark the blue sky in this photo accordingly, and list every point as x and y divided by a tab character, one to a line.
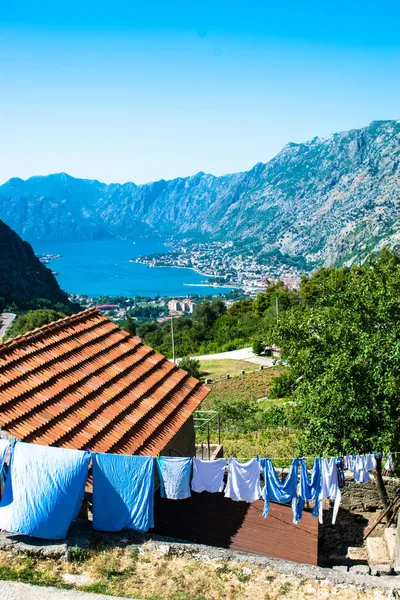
138	91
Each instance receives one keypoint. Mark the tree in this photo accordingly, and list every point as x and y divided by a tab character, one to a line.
208	312
258	347
343	347
191	365
130	325
31	320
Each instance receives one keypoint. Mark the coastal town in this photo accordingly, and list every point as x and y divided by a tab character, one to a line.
223	264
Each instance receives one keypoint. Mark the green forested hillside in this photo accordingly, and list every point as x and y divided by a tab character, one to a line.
24	281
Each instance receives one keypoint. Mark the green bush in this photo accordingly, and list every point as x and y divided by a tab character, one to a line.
191	365
258	347
282	386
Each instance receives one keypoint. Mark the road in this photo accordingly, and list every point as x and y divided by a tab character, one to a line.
6	320
245	354
11	590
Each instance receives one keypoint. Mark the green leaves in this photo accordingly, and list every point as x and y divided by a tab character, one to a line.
344	342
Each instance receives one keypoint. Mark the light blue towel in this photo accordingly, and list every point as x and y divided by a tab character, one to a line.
174	475
44	487
123	492
309	490
275	491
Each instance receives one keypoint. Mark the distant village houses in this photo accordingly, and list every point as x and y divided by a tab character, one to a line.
181	306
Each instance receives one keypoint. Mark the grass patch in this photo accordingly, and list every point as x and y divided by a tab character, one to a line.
251	423
215	369
120	572
250	386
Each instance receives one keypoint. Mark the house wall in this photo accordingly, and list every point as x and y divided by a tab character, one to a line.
183	443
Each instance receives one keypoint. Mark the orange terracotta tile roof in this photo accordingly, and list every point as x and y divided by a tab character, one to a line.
84	383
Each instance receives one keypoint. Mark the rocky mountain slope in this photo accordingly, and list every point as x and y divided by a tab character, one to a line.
24	281
325	201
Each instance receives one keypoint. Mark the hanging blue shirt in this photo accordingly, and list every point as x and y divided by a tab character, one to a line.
43	490
123	492
275	491
309	489
174	475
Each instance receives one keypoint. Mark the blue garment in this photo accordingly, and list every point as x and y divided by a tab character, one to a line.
4	444
275	491
123	492
340	472
309	490
174	475
44	487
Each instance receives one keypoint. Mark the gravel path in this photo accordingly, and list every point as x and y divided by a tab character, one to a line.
11	590
246	354
5	321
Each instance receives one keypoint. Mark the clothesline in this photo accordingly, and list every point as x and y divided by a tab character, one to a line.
45	486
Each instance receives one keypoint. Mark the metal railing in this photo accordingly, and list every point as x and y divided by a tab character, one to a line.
202	420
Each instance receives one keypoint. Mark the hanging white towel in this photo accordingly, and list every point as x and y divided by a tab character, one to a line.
329	487
208	475
243	480
389	463
370	462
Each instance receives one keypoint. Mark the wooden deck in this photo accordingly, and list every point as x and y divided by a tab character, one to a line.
215	520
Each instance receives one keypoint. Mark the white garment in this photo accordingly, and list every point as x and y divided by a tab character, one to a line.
329	487
389	463
361	466
243	480
208	475
370	462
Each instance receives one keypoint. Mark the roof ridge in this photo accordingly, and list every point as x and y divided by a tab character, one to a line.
40	331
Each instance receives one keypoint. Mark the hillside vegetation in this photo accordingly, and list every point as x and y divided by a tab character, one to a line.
340	335
24	281
321	202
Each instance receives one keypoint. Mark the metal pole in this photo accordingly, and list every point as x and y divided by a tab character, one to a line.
208	441
219	429
173	341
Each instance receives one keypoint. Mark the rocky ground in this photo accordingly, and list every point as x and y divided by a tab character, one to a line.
132	566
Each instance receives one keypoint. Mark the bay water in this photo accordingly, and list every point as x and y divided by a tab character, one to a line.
102	267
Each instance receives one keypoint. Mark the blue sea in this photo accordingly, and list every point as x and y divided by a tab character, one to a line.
102	267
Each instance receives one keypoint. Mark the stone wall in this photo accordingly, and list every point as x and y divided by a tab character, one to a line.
364	497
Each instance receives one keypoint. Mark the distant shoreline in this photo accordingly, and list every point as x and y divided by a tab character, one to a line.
233	286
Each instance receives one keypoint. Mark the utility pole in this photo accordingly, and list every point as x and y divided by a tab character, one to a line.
173	341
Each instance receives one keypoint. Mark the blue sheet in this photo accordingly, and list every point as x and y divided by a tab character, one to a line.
123	492
309	489
44	487
174	475
275	491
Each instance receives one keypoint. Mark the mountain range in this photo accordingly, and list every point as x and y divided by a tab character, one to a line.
327	201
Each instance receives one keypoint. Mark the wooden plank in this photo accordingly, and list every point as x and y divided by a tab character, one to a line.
214	520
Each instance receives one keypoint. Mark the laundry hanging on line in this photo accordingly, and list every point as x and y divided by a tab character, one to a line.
276	491
330	489
310	488
44	490
174	473
243	480
4	445
123	492
208	475
45	487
